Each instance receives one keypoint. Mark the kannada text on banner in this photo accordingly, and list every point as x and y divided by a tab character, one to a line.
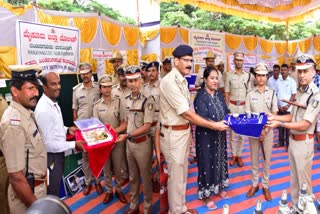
55	48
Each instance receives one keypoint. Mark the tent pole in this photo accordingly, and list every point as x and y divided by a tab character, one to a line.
138	14
287	37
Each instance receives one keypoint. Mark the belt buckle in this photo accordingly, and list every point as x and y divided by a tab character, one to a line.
238	102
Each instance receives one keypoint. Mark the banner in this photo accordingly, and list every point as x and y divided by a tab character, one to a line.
250	61
55	48
202	42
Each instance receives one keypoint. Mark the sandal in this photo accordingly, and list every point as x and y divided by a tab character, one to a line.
211	205
223	194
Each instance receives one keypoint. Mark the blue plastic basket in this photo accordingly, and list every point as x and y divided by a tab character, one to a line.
251	127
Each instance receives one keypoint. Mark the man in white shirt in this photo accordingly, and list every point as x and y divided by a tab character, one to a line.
49	119
287	89
272	82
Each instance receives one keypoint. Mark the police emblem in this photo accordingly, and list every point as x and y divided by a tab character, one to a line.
315	103
150	106
302	59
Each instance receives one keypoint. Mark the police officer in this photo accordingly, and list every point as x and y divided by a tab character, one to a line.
116	60
144	74
20	136
237	85
152	88
175	118
261	99
4	183
139	117
120	91
109	110
301	121
166	67
84	95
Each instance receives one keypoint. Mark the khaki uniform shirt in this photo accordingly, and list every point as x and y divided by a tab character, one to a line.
174	99
118	92
19	133
163	74
199	79
153	90
237	85
83	99
138	111
109	113
115	79
257	101
3	105
311	97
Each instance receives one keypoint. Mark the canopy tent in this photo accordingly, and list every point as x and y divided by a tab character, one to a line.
97	32
275	11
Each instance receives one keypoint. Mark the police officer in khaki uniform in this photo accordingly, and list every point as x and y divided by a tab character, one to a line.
301	121
84	95
237	85
144	74
116	60
139	117
120	91
110	110
261	99
175	118
152	88
4	182
166	67
20	136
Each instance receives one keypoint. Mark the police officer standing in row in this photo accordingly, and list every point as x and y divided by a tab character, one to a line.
261	99
301	121
84	95
21	142
139	117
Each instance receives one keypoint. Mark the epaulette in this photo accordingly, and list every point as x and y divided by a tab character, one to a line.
77	86
114	86
97	101
127	96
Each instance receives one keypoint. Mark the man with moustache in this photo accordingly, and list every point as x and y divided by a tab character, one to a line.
286	89
238	84
144	74
49	118
84	96
20	137
301	121
116	60
175	119
152	89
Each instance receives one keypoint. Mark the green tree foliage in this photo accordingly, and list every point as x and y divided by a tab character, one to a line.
172	13
89	6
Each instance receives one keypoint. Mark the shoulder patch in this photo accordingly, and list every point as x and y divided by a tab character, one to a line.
314	103
150	106
77	86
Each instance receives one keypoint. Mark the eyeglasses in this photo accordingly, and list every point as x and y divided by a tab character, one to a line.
187	60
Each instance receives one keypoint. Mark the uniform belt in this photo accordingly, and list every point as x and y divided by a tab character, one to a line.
178	127
154	123
38	182
301	137
1	154
237	102
139	139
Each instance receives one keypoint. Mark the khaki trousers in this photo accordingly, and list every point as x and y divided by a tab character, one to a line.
300	157
236	147
174	146
16	205
116	158
140	164
86	169
4	184
255	146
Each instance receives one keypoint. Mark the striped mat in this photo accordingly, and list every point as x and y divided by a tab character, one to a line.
240	183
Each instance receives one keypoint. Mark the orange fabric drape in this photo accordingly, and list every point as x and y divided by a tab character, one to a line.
88	28
233	41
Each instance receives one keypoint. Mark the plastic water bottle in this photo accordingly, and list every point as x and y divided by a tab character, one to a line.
283	204
225	209
258	209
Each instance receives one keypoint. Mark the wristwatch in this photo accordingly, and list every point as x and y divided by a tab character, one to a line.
282	124
129	137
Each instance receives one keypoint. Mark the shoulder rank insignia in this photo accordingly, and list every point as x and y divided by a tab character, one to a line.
315	103
150	106
15	122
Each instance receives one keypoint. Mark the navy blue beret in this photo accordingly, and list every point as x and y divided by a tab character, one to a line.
182	50
153	64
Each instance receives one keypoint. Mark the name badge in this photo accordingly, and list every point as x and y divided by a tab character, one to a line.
82	97
102	110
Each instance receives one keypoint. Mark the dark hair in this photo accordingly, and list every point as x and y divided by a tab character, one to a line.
252	71
17	83
284	66
276	66
206	74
